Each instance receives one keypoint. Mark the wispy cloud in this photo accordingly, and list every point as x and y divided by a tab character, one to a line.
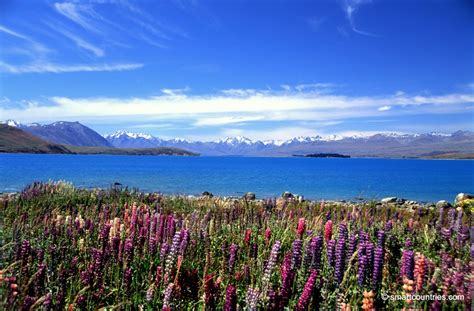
218	121
83	44
350	8
35	46
62	68
78	13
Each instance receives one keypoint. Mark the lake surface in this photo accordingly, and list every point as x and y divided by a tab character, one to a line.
422	180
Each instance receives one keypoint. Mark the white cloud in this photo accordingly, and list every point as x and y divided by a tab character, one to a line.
44	67
226	108
384	108
350	7
226	120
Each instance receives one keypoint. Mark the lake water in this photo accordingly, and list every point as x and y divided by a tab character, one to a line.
422	180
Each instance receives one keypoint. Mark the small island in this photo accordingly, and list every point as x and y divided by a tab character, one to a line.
323	155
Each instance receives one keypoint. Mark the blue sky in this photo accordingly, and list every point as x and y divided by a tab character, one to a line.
262	69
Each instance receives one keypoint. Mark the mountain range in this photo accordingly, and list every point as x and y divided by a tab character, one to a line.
378	145
459	144
64	133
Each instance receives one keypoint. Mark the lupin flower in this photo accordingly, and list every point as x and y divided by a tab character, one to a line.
381	238
167	297
369	252
446	234
248	235
211	289
104	235
150	293
328	230
48	301
309	253
458	222
296	257
127	280
351	246
254	251
441	217
340	259
303	302
330	252
301	227
27	302
451	218
268	234
272	260
252	299
165	247
232	256
463	234
287	279
128	251
419	271
368	301
362	265
378	264
25	250
343	231
230	298
406	269
171	226
85	278
170	259
184	241
158	276
152	245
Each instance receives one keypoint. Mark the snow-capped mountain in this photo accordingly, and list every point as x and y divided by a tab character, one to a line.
64	133
357	145
12	123
125	139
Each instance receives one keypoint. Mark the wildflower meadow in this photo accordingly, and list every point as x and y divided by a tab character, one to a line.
64	248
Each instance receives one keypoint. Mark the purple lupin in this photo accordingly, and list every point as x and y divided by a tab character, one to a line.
340	259
331	248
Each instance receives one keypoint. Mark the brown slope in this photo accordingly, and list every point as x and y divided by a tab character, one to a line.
14	140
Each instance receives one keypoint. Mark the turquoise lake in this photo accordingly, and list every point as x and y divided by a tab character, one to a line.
422	180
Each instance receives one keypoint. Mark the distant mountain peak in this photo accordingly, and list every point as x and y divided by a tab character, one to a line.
235	140
12	123
121	133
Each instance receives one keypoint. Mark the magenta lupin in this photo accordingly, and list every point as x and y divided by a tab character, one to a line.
230	298
305	298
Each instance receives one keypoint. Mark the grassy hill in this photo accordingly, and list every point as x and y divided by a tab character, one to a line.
14	140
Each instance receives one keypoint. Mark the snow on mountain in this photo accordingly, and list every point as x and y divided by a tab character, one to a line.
12	123
121	134
63	132
235	141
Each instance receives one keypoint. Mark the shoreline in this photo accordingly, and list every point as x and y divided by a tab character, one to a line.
250	196
192	154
